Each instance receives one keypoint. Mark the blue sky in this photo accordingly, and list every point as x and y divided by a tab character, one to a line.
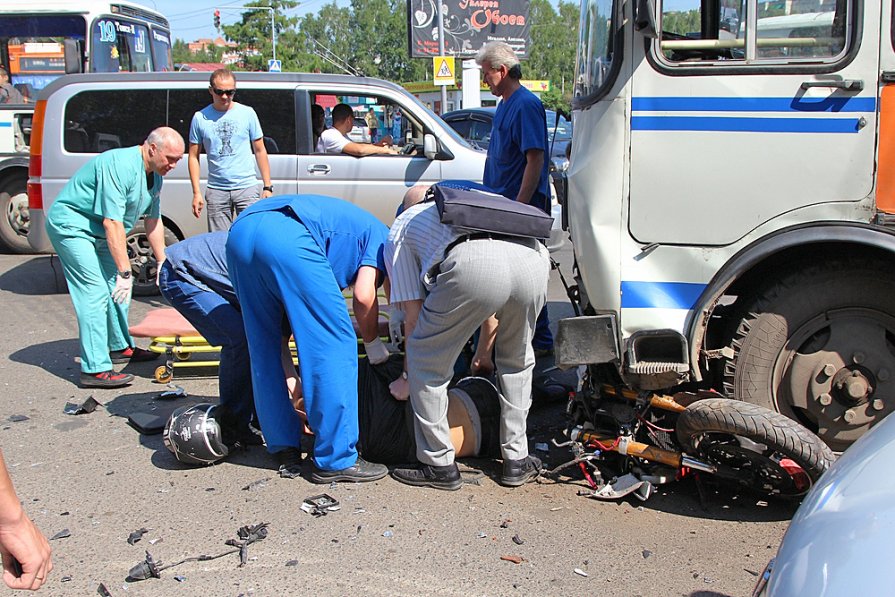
194	19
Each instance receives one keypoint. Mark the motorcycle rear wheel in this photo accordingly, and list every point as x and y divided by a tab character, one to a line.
754	447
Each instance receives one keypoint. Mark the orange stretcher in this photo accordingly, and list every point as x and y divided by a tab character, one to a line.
172	335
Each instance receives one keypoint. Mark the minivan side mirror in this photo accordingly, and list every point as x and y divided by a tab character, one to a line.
434	150
72	54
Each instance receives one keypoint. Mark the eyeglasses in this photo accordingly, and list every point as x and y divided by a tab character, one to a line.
220	92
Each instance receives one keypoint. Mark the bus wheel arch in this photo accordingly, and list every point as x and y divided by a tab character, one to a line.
14	215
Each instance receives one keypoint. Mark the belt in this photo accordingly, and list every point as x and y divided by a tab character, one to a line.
479	236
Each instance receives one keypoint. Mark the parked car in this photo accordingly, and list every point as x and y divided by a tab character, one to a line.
79	116
474	125
840	540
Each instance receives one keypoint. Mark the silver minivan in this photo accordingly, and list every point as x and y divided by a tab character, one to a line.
78	116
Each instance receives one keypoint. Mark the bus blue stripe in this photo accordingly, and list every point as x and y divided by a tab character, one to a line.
744	125
5	124
754	104
660	295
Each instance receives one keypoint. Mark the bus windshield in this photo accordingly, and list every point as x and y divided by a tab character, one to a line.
111	38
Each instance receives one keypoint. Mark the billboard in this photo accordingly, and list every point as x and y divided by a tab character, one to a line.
468	25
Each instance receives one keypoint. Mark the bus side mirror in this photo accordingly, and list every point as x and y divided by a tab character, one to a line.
645	18
72	51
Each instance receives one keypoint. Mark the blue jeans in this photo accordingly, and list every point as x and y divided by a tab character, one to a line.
221	324
543	338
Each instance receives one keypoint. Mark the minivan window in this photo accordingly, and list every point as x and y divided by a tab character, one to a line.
99	120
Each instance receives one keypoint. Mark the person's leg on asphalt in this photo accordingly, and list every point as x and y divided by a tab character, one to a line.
90	296
514	356
220	323
262	312
218	209
119	336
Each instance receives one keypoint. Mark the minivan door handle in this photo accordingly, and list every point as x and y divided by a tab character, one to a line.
846	84
319	169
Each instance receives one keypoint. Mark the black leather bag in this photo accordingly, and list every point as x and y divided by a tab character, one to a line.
482	211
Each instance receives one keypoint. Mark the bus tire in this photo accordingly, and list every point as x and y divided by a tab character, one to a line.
819	347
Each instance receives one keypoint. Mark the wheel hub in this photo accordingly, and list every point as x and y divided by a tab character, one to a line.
834	374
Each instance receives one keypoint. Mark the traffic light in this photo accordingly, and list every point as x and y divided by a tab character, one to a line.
217	19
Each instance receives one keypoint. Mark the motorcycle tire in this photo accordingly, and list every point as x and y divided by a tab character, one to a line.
753	446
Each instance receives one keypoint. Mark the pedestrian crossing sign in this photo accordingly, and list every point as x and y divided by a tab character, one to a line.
443	68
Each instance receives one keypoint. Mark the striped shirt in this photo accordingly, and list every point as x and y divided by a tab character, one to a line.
415	246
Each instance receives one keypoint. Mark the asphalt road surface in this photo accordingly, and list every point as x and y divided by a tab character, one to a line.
94	478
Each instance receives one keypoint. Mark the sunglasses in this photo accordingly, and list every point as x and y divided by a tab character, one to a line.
230	92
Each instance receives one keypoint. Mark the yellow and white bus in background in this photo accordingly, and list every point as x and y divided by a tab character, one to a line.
731	195
41	41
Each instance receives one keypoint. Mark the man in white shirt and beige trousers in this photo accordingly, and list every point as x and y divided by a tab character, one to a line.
449	282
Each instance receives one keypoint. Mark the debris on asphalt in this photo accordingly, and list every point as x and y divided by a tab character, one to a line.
518	540
172	394
359	510
86	407
481	535
292	563
65	579
542	447
320	505
180	578
505	523
257	485
388	534
136	536
17	418
581	572
514	559
154	541
102	590
150	568
64	533
646	553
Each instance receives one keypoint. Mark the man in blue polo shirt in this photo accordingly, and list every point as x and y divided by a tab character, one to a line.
289	259
517	153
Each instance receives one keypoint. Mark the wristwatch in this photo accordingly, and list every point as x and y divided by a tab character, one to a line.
270	188
125	274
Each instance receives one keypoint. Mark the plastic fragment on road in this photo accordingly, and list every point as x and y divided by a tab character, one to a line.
581	572
513	559
102	590
257	485
173	393
136	536
17	418
518	540
320	505
86	407
292	563
64	533
622	486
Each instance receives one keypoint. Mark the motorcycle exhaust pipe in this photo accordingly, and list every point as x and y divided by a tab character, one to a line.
628	447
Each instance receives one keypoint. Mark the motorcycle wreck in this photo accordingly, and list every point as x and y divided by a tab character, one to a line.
626	441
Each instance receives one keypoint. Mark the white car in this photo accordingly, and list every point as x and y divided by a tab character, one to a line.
840	540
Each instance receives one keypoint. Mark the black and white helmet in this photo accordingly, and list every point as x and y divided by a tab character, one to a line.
194	435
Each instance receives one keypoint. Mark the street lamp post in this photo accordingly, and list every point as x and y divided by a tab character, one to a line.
273	27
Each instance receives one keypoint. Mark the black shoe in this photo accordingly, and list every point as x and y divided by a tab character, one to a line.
290	463
133	355
106	379
519	472
360	472
439	477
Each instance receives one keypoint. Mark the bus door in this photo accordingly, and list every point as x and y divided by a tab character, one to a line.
742	111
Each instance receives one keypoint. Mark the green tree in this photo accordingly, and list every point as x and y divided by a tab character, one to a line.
253	34
180	53
554	37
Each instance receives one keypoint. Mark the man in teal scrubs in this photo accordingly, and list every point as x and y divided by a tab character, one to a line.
88	224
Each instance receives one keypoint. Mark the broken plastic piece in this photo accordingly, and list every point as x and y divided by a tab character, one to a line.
292	563
518	540
148	568
61	534
622	486
320	505
180	578
514	559
542	447
102	590
86	407
17	418
172	394
581	572
136	536
256	485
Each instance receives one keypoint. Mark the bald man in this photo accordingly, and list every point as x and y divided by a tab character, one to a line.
88	225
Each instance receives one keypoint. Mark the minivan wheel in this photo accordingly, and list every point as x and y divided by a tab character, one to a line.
15	218
143	264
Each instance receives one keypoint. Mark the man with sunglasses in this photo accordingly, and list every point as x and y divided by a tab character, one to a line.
229	132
